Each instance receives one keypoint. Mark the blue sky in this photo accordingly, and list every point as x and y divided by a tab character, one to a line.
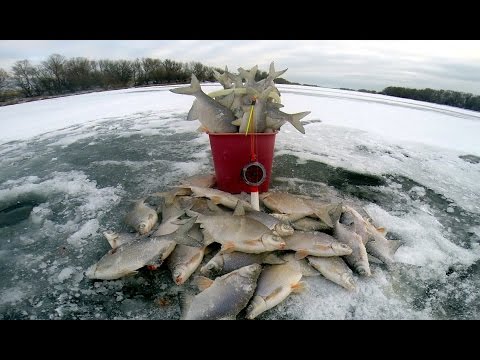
369	64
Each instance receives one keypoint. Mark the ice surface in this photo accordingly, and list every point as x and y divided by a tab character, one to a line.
80	161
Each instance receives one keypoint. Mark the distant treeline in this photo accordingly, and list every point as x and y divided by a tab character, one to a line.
58	75
443	97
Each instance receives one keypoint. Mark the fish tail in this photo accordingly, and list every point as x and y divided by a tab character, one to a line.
190	90
295	121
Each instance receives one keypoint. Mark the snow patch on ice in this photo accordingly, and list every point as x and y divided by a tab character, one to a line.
65	274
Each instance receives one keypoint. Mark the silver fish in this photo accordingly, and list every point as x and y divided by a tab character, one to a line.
219	197
142	218
276	118
380	247
248	75
223	79
238	233
354	222
285	203
318	244
258	122
358	259
309	224
223	263
274	224
183	261
274	285
128	258
224	297
215	117
116	239
334	269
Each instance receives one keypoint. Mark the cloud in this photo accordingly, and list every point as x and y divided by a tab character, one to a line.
369	64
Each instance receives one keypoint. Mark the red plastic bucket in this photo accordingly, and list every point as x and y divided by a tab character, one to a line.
232	152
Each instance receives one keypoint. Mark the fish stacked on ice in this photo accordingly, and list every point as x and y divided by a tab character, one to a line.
244	105
263	255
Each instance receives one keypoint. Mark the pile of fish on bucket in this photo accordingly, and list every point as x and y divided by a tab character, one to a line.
249	106
263	254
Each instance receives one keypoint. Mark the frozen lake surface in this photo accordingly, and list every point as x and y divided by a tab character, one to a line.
69	168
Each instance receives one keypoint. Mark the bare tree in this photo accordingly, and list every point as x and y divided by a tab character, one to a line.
24	74
3	78
78	74
137	72
54	67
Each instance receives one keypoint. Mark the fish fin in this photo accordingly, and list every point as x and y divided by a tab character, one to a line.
180	221
295	120
202	129
335	211
299	287
207	238
323	215
251	242
274	74
216	75
111	238
237	122
216	199
393	246
372	259
202	282
266	92
192	213
300	254
366	239
213	207
190	90
306	269
185	299
228	247
381	230
273	293
193	112
181	236
273	260
130	273
239	209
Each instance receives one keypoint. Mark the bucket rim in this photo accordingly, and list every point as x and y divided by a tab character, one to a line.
237	134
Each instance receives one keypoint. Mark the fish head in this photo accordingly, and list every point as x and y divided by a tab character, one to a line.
347	218
256	307
213	267
178	274
349	281
363	269
341	249
143	228
284	230
251	271
273	242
